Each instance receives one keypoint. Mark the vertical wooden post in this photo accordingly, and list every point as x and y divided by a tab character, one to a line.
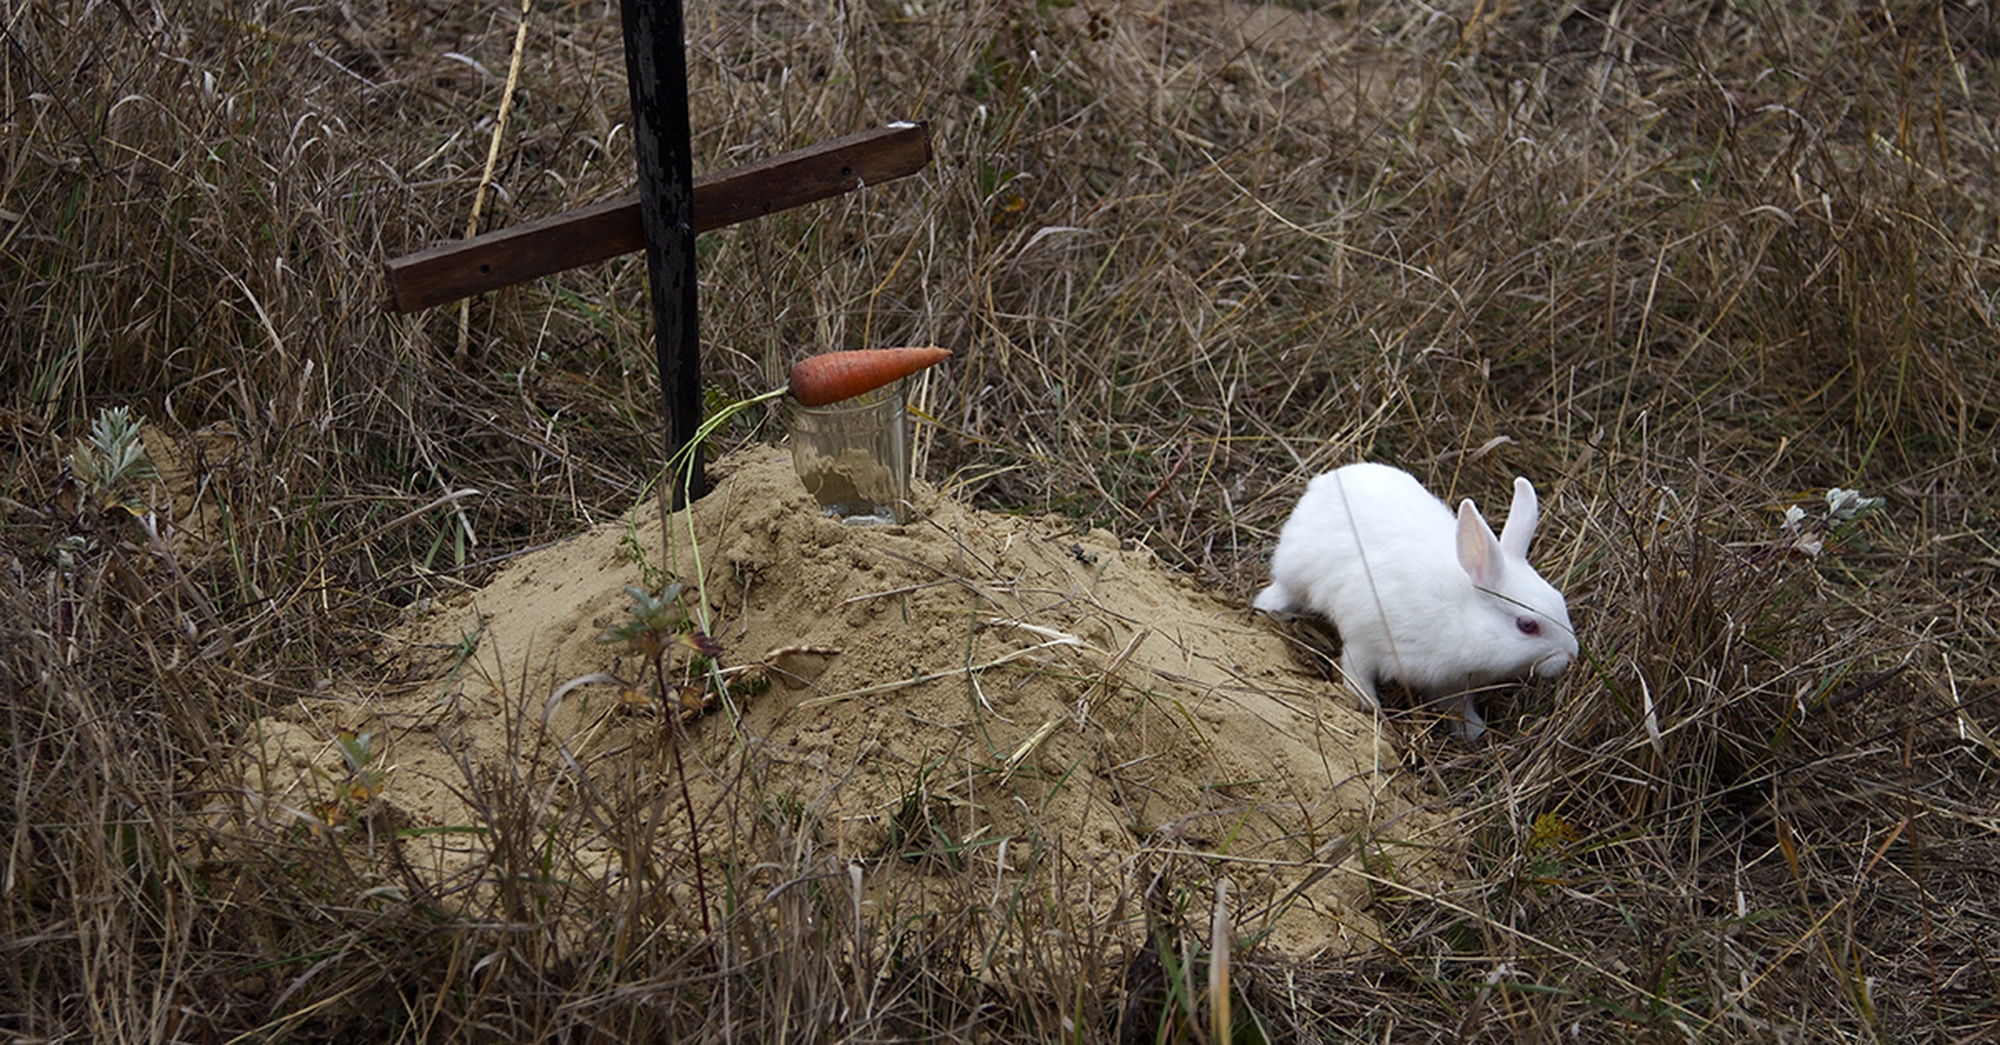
656	73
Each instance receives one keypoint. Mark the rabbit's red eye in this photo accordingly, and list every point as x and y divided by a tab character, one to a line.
1528	625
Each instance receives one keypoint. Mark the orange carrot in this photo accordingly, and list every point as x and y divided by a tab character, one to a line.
833	376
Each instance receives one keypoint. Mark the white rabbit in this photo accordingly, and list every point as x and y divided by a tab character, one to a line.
1434	602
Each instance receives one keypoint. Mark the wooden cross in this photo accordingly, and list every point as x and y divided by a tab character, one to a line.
663	217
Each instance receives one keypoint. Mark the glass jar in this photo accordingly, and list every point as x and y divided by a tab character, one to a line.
854	456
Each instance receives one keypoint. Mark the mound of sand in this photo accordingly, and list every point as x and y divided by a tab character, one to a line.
941	699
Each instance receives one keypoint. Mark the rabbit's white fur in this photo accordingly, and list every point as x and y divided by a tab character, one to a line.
1433	601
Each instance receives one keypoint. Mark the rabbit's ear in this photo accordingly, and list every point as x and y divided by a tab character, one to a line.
1521	519
1478	551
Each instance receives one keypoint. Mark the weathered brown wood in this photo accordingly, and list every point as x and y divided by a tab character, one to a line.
462	268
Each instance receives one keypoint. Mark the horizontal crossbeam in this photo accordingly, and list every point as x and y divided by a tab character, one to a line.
601	231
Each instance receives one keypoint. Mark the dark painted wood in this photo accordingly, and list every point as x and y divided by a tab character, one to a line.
656	73
601	231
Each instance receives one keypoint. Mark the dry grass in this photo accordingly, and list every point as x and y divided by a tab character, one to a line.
1684	263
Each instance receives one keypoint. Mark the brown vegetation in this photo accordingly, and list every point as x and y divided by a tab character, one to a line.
1686	264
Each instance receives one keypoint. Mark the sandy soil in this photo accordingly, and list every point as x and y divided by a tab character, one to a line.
943	699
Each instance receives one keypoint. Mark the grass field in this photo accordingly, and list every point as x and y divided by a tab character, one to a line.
1686	264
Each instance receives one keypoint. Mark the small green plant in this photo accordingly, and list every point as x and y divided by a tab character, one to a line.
112	462
649	574
658	624
364	779
358	786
